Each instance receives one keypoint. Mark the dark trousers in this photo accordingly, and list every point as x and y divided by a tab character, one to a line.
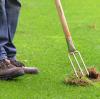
9	12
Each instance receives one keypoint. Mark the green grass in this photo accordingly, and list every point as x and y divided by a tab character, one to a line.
40	41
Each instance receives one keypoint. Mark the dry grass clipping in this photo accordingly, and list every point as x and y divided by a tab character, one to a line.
78	81
84	81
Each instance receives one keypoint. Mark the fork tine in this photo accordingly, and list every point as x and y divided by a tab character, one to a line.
83	63
78	64
73	66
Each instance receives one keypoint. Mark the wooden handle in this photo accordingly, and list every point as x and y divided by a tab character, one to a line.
71	46
62	18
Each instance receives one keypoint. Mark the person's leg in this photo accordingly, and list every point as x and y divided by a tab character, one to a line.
7	70
12	10
3	29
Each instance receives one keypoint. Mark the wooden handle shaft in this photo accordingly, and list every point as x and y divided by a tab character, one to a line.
62	18
71	46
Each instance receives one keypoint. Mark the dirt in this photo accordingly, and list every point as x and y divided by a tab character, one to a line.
94	76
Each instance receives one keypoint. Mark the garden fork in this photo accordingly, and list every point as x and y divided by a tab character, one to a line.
72	52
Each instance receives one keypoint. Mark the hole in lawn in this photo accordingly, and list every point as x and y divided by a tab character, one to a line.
84	81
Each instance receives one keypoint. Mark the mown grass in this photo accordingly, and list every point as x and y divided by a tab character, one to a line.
40	42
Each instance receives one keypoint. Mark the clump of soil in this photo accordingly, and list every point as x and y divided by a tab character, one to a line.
78	81
93	74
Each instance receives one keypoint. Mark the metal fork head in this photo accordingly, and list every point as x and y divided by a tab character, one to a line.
75	56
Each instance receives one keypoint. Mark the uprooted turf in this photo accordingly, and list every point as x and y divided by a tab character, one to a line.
84	81
93	76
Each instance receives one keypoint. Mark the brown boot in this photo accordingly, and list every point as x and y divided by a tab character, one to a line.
28	70
8	71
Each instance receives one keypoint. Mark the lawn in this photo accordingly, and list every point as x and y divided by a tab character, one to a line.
40	42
